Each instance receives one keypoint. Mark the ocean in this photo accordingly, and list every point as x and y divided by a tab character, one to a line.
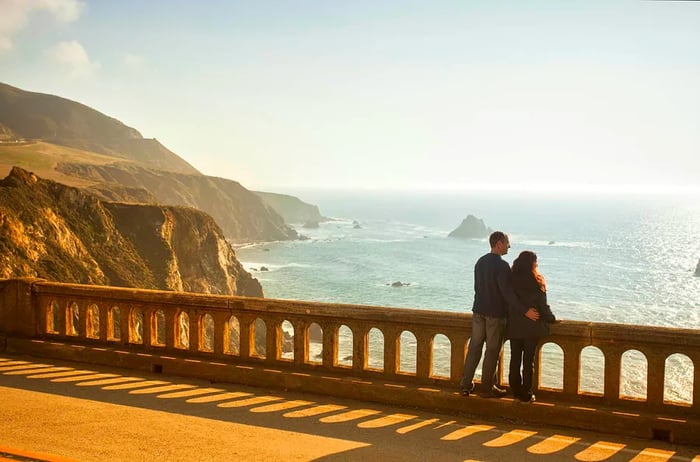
625	259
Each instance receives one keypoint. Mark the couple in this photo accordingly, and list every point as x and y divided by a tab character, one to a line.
507	301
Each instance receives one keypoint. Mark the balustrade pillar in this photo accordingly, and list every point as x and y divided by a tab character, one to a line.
656	373
125	324
103	316
613	362
392	350
220	323
301	345
572	366
148	321
329	345
424	355
170	328
272	340
195	329
247	343
359	348
458	353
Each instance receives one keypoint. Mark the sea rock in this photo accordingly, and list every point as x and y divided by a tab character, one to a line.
697	269
471	228
400	284
264	268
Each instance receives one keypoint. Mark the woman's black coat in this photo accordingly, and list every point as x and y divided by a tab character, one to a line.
528	291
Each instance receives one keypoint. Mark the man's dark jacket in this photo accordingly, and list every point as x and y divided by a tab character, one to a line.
492	289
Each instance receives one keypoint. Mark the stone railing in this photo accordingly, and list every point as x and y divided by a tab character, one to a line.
395	345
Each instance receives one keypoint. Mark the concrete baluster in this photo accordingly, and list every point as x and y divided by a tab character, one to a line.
572	366
424	354
656	373
247	342
613	360
301	345
392	349
330	344
360	334
273	340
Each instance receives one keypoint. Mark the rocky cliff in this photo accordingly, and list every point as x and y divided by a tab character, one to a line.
62	233
292	209
241	214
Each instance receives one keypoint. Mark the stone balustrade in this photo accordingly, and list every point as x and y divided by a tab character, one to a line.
366	342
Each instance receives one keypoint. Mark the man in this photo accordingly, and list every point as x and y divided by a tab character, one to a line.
492	295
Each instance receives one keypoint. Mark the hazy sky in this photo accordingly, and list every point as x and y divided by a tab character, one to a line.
383	94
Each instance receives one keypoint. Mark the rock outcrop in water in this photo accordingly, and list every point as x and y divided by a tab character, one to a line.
60	233
697	269
471	228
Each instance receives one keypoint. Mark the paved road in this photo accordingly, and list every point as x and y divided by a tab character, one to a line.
60	411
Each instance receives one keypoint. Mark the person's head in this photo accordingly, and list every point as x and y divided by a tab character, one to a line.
499	242
526	263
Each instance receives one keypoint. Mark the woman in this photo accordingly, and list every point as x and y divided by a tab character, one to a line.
524	334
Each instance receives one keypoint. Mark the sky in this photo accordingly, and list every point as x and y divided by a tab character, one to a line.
377	94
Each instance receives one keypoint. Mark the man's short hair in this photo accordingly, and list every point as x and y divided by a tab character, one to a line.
496	237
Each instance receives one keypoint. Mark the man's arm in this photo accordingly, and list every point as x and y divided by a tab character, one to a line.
503	281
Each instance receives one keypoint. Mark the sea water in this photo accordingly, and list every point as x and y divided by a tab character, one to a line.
619	259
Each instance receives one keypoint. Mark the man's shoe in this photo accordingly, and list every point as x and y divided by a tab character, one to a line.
527	398
493	392
499	388
467	391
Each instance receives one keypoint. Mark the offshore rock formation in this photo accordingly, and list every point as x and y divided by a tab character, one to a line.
471	228
60	233
697	269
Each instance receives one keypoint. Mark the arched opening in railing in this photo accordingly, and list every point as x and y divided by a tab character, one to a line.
92	321
114	322
633	375
345	341
679	373
259	331
441	365
408	352
136	326
182	331
551	365
286	334
72	319
53	318
232	337
206	333
591	377
315	345
375	349
158	328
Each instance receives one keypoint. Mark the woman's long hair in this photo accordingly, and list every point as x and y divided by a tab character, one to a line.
525	263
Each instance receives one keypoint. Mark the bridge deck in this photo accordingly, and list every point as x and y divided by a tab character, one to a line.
58	410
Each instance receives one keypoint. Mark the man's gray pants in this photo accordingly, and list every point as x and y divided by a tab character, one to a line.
489	330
